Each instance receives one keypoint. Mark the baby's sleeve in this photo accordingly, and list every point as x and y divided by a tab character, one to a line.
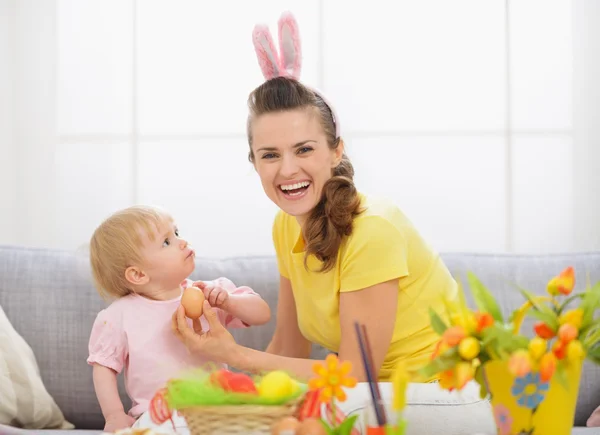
227	319
108	341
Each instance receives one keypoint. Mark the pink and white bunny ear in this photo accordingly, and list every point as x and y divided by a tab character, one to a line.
289	45
265	52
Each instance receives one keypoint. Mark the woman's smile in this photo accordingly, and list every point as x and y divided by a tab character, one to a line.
294	190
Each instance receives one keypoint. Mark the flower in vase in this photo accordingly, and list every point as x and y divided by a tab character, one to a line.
563	283
503	419
572	317
529	390
331	377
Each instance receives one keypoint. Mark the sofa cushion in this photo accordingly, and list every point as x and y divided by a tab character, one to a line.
24	400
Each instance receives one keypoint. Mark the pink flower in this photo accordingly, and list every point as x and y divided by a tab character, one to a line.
503	419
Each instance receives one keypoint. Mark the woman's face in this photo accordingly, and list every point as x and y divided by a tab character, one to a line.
292	159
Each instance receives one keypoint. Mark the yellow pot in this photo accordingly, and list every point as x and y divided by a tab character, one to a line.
528	406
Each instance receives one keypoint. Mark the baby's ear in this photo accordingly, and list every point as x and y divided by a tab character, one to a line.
265	52
289	45
135	276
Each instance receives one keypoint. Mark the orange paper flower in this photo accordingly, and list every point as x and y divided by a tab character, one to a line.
331	377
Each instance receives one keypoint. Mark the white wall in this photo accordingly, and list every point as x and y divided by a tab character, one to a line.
463	112
586	153
8	159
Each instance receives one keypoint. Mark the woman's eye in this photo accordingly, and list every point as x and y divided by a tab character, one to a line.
268	156
166	242
304	150
177	233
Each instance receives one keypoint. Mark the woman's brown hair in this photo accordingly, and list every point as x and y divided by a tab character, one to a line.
331	219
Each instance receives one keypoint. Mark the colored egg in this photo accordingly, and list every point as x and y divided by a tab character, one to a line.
311	426
285	426
192	300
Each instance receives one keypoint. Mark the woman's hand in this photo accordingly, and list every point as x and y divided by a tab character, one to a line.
216	344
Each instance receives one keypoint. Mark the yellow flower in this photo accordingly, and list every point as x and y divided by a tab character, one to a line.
563	283
537	347
575	351
331	377
572	317
469	348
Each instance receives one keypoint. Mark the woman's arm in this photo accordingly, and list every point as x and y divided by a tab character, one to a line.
375	307
287	339
105	384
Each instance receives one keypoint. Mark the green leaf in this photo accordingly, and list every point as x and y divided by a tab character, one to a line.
549	316
594	352
590	335
590	303
444	362
562	376
330	430
570	299
346	427
483	298
437	323
479	377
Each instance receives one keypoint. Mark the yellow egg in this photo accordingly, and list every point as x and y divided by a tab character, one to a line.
192	300
275	385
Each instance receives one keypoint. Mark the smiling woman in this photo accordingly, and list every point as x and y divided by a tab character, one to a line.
342	257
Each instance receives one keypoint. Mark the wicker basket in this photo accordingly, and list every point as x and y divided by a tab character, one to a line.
236	419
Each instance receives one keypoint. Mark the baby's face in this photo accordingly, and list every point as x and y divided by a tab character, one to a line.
168	258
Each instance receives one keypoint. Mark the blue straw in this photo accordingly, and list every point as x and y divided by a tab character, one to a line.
368	373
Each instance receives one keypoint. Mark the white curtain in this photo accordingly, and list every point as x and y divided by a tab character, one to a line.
478	118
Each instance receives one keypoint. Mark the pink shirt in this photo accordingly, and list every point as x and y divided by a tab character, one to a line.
134	335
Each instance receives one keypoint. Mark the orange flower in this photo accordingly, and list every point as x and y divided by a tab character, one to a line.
563	283
560	349
567	333
547	366
483	320
331	377
519	363
447	380
543	330
457	377
453	335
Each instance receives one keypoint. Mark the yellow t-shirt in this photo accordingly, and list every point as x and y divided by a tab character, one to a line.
384	245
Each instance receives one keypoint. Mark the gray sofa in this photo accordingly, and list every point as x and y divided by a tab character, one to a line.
49	299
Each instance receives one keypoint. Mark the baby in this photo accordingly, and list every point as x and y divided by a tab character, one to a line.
139	259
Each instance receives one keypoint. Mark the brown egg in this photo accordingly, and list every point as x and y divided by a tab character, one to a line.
311	426
192	300
285	426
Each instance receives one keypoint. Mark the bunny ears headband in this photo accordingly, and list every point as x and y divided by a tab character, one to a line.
288	62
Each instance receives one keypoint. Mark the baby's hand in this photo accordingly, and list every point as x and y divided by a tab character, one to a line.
118	421
216	295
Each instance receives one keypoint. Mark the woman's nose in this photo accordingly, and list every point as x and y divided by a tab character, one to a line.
289	167
183	243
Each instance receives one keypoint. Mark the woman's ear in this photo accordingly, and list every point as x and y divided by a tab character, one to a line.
136	276
339	153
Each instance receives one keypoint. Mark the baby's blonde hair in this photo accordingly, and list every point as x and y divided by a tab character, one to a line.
116	245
